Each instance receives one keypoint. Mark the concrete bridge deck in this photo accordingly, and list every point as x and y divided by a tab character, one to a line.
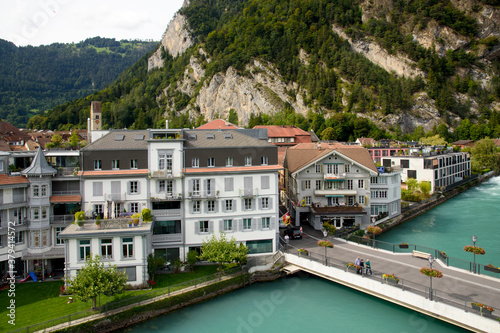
457	287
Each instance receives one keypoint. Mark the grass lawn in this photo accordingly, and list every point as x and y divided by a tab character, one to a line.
39	302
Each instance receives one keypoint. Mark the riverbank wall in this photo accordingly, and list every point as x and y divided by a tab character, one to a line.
140	313
434	201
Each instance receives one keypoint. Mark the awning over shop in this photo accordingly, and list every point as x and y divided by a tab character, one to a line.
65	199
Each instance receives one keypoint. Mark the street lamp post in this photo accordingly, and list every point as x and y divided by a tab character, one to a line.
474	240
325	233
431	260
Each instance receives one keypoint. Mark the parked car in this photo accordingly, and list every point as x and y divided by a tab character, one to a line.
294	232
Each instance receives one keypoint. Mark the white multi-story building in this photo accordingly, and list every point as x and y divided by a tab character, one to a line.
115	241
329	182
440	169
385	195
231	186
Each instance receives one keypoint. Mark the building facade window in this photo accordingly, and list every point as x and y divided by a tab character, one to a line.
169	187
247	224
229	161
307	184
36	191
133	187
134	207
247	204
229	205
228	184
211	162
361	199
196	187
195	162
84	249
44	212
308	200
115	164
127	247
264	160
266	222
349	184
97	164
196	206
211	206
36	213
319	169
58	230
361	183
228	225
318	185
134	164
248	160
161	186
264	202
107	248
19	237
44	190
203	226
347	168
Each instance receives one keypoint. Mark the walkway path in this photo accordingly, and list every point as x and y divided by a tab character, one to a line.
456	282
145	302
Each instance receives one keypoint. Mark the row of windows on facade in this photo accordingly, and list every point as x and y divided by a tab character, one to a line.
133	207
229	205
386	208
115	164
195	162
40	238
332	185
230	225
336	201
35	190
106	247
332	168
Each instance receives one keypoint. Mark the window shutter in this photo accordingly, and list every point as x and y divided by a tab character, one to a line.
272	223
157	186
211	227
205	206
128	187
138	187
255	224
205	186
173	188
221	225
264	182
260	203
212	186
197	227
271	203
234	204
238	225
216	206
303	185
223	209
190	188
191	211
228	184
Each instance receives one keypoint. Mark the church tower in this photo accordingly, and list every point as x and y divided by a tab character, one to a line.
95	116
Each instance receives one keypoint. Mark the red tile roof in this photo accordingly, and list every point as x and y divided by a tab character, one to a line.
65	198
11	180
218	123
276	131
234	169
113	172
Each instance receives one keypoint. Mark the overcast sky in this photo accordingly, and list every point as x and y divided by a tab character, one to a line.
43	22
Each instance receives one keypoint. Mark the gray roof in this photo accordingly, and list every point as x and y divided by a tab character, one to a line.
121	140
221	139
39	166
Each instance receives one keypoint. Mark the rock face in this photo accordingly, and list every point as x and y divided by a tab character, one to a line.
261	92
176	40
449	40
401	65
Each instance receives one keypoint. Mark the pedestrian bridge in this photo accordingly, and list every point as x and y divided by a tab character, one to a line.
449	299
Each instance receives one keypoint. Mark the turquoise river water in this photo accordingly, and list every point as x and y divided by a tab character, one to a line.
310	304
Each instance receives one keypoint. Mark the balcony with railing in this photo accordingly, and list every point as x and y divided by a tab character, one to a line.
334	176
166	197
248	192
111	224
203	194
67	171
63	219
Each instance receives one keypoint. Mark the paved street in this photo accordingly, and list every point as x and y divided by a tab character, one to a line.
458	283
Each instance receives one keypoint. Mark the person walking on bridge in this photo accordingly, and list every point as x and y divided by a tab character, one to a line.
357	262
368	266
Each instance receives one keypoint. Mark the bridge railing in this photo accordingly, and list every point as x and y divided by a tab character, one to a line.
433	294
437	254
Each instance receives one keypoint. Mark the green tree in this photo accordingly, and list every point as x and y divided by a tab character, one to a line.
484	156
425	187
412	184
192	258
435	140
233	117
74	139
222	251
55	142
94	279
155	262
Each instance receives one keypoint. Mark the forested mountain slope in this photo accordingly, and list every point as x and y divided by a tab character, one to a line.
35	79
342	68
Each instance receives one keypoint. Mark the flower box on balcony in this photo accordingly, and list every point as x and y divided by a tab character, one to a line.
482	308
